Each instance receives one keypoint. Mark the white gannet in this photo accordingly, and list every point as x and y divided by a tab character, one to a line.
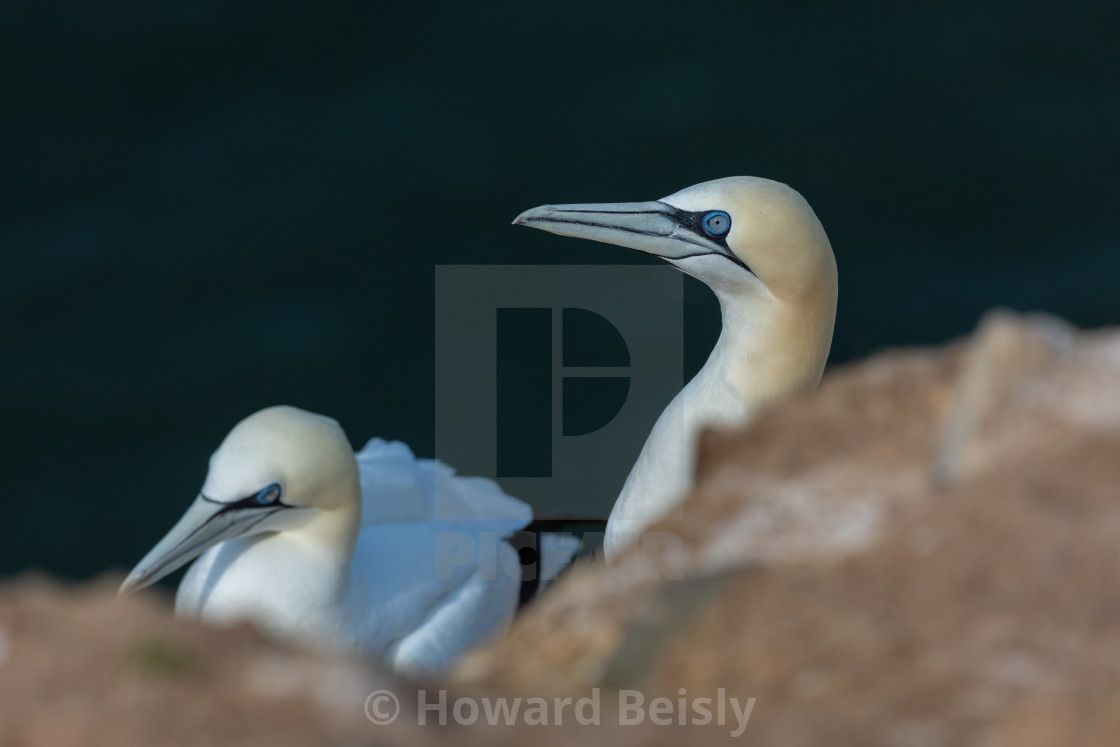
758	245
380	554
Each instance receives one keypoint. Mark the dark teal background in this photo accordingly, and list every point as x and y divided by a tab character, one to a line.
211	207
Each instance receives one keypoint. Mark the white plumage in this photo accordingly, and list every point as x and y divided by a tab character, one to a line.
379	553
758	245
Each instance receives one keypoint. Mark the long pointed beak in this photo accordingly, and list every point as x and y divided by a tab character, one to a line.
205	524
652	227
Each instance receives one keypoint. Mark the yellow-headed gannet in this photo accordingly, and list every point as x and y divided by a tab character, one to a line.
377	553
758	245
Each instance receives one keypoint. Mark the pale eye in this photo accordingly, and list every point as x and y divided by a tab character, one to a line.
717	223
268	496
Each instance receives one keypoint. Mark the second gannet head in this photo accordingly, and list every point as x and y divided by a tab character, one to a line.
281	469
754	241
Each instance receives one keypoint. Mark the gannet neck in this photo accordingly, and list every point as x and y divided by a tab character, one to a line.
335	530
320	552
769	347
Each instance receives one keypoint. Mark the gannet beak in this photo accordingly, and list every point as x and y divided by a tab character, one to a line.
655	228
205	524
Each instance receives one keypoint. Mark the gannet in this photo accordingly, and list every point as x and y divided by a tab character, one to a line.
379	553
758	245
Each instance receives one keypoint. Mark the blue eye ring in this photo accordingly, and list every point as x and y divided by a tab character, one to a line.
268	496
716	223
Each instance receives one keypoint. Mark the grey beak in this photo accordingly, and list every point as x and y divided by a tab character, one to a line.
205	524
652	227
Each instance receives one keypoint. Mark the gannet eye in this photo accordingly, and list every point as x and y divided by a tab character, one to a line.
268	496
717	223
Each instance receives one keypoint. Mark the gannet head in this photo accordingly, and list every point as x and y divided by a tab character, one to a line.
741	234
277	470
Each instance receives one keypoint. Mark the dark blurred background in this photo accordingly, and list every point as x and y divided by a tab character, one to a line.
209	207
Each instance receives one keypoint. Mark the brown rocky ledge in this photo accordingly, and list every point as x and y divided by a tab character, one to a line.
923	552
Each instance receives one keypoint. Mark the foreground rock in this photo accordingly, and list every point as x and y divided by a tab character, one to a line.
79	666
924	552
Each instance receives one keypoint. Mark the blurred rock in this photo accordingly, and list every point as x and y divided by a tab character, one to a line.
80	666
923	552
84	667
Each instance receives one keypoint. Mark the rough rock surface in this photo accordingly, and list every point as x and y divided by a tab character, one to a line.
80	666
924	552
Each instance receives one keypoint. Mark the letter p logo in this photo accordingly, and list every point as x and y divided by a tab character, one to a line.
550	378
